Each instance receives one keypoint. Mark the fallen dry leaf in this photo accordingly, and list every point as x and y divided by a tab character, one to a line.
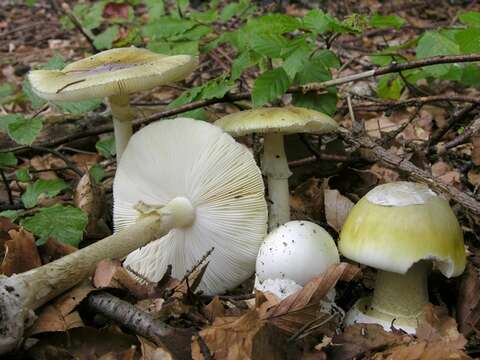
214	309
60	314
54	249
20	253
337	208
476	150
307	200
90	197
360	340
468	301
150	351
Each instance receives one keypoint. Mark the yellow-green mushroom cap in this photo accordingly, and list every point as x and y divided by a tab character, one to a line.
285	120
113	72
398	224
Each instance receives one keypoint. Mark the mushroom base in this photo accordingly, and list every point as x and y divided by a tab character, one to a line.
363	313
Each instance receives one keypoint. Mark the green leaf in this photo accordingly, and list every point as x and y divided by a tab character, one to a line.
6	89
326	103
468	40
50	188
23	175
198	114
390	87
471	75
155	9
319	22
24	131
11	214
97	173
63	223
268	44
105	39
186	97
471	18
195	33
79	107
206	16
272	23
384	22
295	61
34	99
234	9
7	159
327	58
184	47
56	62
433	44
269	86
91	16
166	27
216	89
246	60
5	120
106	146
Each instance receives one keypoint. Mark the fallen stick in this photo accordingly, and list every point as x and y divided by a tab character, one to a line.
176	341
21	294
415	173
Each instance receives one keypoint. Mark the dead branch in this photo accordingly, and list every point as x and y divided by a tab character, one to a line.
176	341
396	162
470	131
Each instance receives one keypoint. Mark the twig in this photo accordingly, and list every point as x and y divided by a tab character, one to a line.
86	33
7	187
176	341
396	162
472	130
455	118
204	348
357	127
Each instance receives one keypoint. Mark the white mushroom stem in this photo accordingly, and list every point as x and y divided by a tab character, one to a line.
275	168
22	293
401	295
122	115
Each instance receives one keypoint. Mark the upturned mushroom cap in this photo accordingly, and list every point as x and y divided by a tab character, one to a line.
285	120
218	176
297	251
112	72
398	224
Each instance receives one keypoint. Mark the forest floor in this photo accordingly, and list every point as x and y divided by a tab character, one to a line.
433	139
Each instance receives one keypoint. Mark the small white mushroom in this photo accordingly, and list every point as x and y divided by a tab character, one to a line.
293	254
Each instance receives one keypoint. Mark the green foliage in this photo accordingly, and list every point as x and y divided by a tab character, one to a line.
23	175
97	173
385	22
11	214
270	86
63	223
106	146
24	131
390	87
50	188
7	159
434	43
105	39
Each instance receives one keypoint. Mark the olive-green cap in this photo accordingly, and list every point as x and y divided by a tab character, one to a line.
113	72
285	120
398	224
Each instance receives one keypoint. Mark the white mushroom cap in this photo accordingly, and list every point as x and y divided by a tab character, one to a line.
298	251
196	161
281	288
112	72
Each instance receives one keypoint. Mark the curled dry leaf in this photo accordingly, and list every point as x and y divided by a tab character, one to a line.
53	250
150	351
90	197
214	309
20	253
307	200
337	208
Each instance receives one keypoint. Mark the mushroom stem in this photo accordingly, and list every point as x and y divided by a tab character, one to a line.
275	168
20	294
402	296
122	115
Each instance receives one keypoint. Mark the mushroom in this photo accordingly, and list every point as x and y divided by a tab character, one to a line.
274	123
208	190
398	228
112	74
293	254
213	188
